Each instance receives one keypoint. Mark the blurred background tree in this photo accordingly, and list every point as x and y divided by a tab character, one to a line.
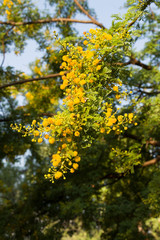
103	198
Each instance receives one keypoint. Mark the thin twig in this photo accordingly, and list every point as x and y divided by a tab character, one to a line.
88	15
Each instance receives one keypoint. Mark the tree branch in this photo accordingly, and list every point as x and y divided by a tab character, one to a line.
153	142
31	80
134	61
151	162
149	93
138	63
88	15
49	20
134	137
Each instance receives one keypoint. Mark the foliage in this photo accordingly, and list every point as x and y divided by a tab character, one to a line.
90	104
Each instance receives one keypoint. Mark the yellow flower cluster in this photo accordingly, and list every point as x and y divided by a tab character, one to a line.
29	96
8	4
87	111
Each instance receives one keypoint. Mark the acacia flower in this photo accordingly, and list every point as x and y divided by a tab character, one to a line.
75	165
51	140
58	174
77	134
40	140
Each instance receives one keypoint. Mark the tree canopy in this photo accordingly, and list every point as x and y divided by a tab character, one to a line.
80	156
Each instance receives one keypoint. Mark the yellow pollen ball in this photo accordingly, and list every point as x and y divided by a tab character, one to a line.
115	88
85	42
75	165
36	133
77	159
56	157
58	175
75	153
98	67
55	162
102	130
130	116
51	140
69	139
33	122
58	122
45	123
40	140
82	82
46	136
64	145
76	100
76	133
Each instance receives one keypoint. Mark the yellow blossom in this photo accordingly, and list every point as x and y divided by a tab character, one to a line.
76	80
98	67
72	170
69	139
77	159
76	133
58	175
130	116
82	82
36	133
64	145
120	118
56	157
51	140
115	88
102	130
95	62
58	122
46	136
33	122
75	165
52	100
40	140
65	58
68	131
76	100
107	36
75	153
85	42
111	121
29	96
45	122
92	31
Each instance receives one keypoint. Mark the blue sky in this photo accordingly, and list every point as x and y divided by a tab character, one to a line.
103	8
